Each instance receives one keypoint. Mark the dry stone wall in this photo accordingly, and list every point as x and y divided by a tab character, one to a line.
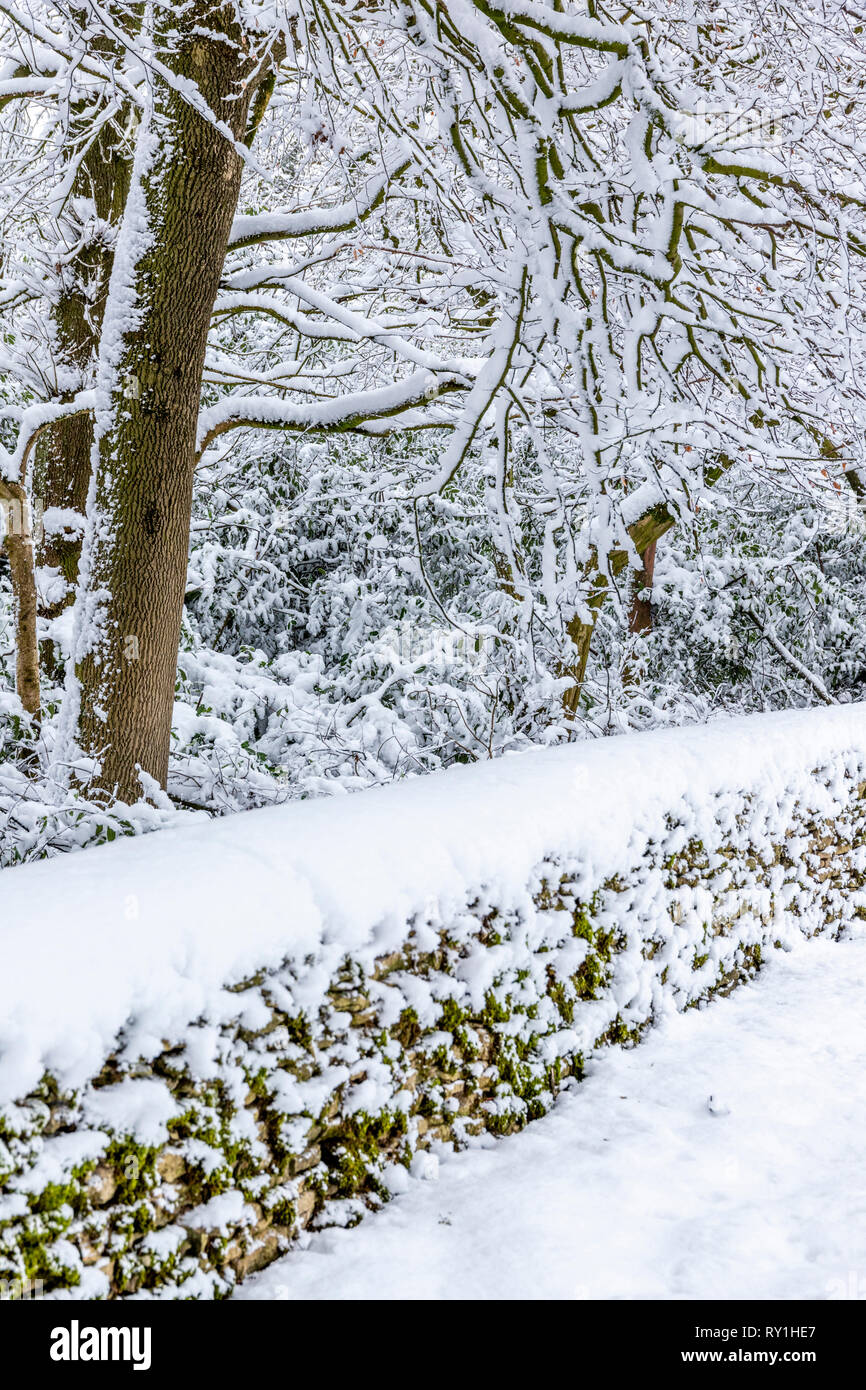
179	1172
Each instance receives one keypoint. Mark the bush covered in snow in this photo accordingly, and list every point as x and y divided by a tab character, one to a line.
337	638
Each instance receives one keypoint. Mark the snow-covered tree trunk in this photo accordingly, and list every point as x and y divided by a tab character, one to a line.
18	543
644	534
166	271
61	474
640	618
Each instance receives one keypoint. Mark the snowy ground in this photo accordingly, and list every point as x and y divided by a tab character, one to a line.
633	1187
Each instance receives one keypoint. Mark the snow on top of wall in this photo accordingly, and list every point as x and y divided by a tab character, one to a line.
144	934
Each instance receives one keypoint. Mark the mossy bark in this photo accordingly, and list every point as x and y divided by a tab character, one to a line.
62	459
18	543
640	618
61	469
174	236
645	535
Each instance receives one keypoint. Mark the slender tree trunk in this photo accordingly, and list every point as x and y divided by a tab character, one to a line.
18	542
645	534
61	471
580	633
168	263
640	618
61	476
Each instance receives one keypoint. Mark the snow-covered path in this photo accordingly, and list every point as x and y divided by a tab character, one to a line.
632	1188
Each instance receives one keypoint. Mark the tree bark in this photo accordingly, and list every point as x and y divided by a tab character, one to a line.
61	470
18	542
61	476
645	534
168	263
62	459
640	618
